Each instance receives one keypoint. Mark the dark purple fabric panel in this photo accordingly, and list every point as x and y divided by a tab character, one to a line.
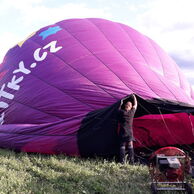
56	137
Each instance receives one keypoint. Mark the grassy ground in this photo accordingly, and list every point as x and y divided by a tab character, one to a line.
22	173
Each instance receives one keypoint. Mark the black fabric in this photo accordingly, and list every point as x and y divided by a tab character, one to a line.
158	106
98	133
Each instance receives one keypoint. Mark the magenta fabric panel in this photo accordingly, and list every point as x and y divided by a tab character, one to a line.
163	130
53	145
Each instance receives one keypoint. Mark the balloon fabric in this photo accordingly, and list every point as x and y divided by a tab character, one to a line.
62	86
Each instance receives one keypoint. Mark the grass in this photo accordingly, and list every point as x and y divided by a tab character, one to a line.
27	173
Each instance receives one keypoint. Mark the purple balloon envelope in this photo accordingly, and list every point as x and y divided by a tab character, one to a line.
61	87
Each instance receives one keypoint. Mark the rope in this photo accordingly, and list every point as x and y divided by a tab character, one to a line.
165	124
191	124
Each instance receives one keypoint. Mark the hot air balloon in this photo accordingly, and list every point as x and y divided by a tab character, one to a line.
62	86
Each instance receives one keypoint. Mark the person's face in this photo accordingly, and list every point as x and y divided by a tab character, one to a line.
128	106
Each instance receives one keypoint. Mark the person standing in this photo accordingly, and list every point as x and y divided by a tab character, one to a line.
126	115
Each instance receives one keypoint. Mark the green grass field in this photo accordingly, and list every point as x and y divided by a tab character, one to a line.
29	173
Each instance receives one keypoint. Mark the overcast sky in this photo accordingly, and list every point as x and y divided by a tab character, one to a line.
170	23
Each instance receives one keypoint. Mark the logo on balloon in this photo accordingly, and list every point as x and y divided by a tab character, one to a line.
23	41
16	80
50	31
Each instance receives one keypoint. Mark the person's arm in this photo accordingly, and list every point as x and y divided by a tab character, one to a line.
135	102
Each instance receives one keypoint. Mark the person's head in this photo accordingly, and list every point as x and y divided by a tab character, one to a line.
128	106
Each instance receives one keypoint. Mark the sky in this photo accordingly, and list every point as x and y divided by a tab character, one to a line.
170	23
